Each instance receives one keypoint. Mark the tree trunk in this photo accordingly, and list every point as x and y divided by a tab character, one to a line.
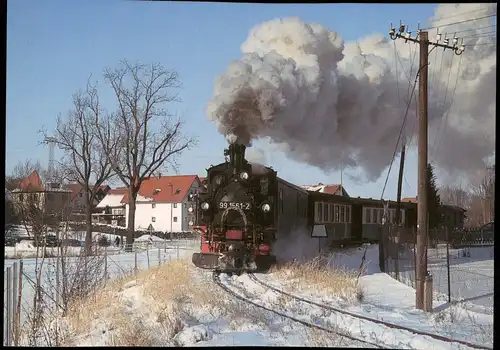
88	225
131	220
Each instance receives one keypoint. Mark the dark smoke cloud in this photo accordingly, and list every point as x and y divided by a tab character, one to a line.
327	102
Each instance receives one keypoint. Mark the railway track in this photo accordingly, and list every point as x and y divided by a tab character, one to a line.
369	319
216	279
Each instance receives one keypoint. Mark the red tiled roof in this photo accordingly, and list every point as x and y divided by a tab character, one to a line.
32	183
172	188
331	189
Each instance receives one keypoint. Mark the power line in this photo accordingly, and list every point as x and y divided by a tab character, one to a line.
444	104
480	34
460	22
460	14
400	133
473	29
451	104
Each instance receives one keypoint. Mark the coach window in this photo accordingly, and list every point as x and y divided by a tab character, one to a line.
330	212
342	213
380	215
348	213
336	213
325	212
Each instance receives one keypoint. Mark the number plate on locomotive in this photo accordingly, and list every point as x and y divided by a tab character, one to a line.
237	205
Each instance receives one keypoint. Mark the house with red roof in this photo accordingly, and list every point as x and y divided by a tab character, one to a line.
50	197
336	189
163	203
78	198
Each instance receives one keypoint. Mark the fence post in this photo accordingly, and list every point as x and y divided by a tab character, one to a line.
147	255
15	278
106	262
135	262
159	256
8	321
19	301
448	263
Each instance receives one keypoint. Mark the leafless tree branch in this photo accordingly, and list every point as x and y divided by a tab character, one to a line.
149	139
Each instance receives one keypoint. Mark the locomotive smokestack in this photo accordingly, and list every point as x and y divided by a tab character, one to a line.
237	155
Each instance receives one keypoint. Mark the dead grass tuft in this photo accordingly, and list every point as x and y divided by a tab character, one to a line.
339	283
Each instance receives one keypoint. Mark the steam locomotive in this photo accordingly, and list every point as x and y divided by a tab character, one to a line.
244	210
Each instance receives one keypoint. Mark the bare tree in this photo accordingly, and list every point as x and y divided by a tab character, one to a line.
456	195
84	161
22	170
150	139
484	190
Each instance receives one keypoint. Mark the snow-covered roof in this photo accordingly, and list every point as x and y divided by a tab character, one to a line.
111	200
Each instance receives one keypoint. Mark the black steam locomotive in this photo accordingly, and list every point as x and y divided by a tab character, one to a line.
245	209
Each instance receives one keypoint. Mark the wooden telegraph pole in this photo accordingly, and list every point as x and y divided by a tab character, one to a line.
422	233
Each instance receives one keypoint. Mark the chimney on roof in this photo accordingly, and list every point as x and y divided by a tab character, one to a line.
159	176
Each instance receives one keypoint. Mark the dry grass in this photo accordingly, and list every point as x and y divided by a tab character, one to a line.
147	309
338	283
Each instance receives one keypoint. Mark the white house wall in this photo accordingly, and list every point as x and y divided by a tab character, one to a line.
162	214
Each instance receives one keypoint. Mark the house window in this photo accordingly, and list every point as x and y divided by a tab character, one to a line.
153	219
175	218
175	205
153	205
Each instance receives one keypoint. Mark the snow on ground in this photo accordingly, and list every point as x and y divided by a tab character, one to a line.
471	276
117	265
179	305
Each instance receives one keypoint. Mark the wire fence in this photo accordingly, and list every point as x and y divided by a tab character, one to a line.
461	265
38	287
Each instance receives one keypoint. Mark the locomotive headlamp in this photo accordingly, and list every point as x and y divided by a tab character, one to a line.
205	206
244	175
190	209
265	208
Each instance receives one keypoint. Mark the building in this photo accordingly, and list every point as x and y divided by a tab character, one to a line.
78	198
51	198
336	189
163	203
110	209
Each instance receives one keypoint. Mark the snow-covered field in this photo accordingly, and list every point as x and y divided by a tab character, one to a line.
179	305
471	276
115	264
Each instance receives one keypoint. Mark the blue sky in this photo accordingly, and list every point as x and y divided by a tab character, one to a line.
54	45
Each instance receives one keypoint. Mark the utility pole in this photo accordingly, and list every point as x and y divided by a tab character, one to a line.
422	232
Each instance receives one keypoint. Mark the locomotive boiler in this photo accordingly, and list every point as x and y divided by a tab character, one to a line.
237	215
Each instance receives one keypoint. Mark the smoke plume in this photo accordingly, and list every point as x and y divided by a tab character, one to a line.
297	245
326	102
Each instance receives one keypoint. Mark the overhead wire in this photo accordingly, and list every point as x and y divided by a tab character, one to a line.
433	148
474	29
460	22
461	14
400	133
451	104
